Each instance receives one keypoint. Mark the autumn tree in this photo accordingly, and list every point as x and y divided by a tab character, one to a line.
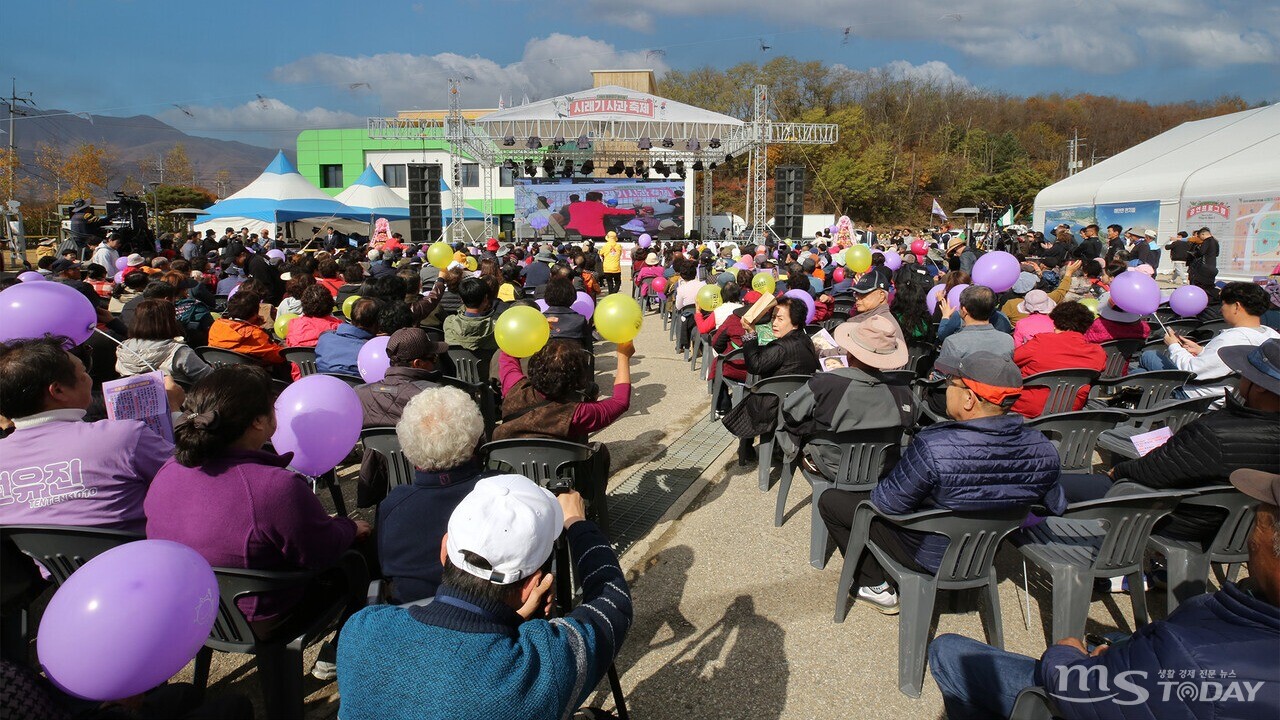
177	166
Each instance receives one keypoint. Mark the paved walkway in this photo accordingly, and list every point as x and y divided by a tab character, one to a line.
731	621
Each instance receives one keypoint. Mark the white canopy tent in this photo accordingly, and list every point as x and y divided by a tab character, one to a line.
278	196
1221	173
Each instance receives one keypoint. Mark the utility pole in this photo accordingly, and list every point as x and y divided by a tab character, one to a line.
1074	163
12	101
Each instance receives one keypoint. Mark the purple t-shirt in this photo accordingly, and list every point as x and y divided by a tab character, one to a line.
57	470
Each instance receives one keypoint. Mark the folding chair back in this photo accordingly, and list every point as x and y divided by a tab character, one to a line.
217	357
865	456
279	660
1032	704
383	440
351	380
920	357
303	357
468	366
63	549
1096	539
1188	561
1119	353
781	386
545	461
1075	435
1173	414
1157	386
1063	387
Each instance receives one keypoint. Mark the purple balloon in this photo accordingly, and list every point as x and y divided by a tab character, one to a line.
805	298
931	300
997	270
584	305
1189	300
372	360
122	263
118	277
30	276
36	309
538	222
128	620
1135	292
892	260
277	254
953	297
318	420
645	241
542	305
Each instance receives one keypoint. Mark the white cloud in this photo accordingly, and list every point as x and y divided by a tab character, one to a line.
549	66
1096	36
257	116
935	72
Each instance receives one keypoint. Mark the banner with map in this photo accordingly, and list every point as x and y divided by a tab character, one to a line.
1247	228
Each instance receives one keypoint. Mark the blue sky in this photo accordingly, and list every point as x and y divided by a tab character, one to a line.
262	71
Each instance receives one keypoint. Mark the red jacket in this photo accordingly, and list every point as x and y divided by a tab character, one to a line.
587	217
1054	351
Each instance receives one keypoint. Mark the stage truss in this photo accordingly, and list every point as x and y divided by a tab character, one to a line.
494	143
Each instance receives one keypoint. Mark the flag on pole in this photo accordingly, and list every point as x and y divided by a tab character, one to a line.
1007	219
937	209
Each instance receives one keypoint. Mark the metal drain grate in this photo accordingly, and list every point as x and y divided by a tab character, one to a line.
637	503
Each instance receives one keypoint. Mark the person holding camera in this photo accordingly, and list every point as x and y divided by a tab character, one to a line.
483	647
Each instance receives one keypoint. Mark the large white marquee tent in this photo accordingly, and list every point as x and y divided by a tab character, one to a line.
1222	173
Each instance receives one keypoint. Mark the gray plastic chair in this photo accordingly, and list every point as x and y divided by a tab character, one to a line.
1188	562
279	660
967	563
1096	539
865	456
718	380
1173	414
554	464
303	357
1119	353
383	440
1157	386
1033	703
1075	434
63	549
781	386
217	357
351	380
485	395
1063	386
468	366
920	357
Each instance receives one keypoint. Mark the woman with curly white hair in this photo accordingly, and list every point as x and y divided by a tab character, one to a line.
439	432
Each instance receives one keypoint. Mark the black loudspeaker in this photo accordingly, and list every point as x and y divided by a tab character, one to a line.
788	201
426	218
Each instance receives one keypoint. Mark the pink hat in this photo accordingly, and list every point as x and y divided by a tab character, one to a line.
1145	269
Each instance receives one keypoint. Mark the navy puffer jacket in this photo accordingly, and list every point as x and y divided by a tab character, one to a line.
982	464
1214	658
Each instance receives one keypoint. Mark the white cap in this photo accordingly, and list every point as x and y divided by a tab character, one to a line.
508	520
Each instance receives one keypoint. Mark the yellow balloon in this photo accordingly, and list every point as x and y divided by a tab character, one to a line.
858	258
764	283
709	297
1092	304
472	264
348	304
282	324
521	331
618	318
440	254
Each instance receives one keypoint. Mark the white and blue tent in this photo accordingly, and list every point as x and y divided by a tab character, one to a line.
278	196
371	197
